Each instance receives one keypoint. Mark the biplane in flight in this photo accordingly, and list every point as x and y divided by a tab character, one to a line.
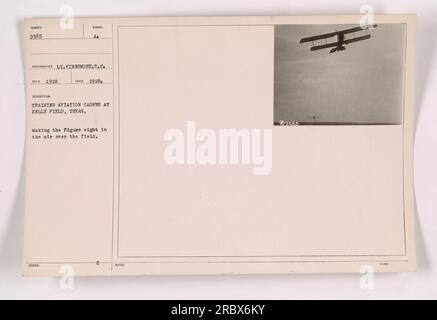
341	42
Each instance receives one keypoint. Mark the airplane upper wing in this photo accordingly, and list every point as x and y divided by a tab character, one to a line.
333	34
357	39
319	37
357	29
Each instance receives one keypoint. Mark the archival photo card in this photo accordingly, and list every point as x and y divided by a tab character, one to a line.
151	147
339	74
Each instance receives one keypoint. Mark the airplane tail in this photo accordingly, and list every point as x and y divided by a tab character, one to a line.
337	49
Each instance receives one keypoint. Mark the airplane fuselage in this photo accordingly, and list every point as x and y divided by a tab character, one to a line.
340	45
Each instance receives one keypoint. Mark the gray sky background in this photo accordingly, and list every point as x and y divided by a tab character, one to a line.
363	84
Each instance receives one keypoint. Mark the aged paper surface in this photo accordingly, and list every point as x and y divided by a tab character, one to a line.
109	191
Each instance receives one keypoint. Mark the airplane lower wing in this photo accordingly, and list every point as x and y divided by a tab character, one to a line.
325	46
335	44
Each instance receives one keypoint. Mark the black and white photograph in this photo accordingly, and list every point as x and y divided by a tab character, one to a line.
339	74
